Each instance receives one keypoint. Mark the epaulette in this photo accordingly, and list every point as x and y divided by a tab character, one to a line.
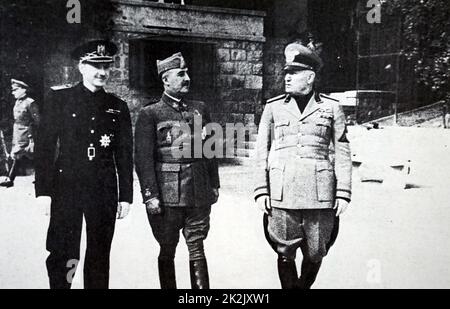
328	97
276	98
29	100
61	87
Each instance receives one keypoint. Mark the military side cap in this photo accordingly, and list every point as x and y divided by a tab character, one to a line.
299	57
99	51
16	82
176	61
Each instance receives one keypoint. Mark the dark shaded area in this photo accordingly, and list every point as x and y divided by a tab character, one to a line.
199	57
333	23
29	30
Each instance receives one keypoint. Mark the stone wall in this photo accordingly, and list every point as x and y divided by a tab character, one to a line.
238	54
239	80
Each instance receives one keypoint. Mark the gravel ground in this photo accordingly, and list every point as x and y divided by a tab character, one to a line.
389	238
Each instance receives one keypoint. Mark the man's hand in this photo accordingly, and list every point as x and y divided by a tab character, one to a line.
153	206
44	203
123	210
216	195
340	206
263	203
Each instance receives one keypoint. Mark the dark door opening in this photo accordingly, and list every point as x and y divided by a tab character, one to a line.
199	59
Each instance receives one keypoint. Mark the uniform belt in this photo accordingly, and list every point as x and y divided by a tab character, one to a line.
307	151
177	160
165	155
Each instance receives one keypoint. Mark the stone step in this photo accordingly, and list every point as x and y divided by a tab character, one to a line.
246	153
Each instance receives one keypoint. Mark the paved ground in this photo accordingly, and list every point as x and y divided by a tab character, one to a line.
389	238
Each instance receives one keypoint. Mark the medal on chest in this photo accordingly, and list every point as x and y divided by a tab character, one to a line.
91	152
105	141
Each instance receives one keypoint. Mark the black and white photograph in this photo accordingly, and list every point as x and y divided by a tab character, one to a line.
246	146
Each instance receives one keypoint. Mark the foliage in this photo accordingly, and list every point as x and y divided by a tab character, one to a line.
426	26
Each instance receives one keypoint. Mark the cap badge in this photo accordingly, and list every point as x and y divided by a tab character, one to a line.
101	50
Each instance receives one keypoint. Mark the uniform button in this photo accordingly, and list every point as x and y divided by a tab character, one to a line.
93	118
114	120
74	115
92	131
60	171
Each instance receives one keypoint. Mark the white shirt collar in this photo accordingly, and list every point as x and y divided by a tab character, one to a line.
173	98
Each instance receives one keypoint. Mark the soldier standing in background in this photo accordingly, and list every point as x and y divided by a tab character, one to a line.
178	191
84	163
302	185
26	122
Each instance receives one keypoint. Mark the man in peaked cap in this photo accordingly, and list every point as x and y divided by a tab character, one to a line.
84	164
302	185
26	122
178	191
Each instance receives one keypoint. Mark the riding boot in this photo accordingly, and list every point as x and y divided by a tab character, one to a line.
167	274
287	271
199	274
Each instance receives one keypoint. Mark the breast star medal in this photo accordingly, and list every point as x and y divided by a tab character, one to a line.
105	141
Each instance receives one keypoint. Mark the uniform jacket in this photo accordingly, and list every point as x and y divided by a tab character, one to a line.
26	120
177	181
85	147
303	160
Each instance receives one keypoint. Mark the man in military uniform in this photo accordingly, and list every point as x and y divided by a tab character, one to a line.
178	191
84	163
26	121
303	169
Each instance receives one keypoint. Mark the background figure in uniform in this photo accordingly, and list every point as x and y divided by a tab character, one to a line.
84	162
303	170
178	192
26	121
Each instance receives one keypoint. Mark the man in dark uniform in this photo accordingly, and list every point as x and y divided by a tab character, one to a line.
84	163
303	171
178	191
26	121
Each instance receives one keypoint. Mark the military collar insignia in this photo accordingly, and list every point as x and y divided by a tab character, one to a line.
288	99
174	103
318	98
179	106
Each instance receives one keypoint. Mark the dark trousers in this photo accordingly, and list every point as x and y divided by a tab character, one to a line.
63	242
193	221
14	167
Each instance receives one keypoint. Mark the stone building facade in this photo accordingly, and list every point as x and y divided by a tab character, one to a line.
234	49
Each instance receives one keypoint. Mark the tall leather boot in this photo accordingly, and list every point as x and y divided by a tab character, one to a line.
287	271
167	278
309	274
199	274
